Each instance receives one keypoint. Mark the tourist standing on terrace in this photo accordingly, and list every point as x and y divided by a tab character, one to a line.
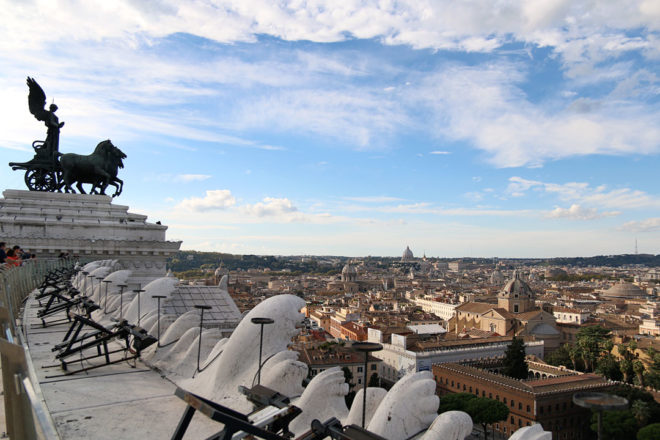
3	254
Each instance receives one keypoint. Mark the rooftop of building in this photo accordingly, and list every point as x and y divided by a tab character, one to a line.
335	354
572	383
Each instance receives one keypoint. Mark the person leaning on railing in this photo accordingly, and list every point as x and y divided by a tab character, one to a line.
3	254
13	259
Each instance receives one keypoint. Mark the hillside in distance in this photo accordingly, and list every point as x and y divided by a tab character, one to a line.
194	260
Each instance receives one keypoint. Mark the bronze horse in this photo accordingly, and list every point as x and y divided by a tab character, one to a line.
99	168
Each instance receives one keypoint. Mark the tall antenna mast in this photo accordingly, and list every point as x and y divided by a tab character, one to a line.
635	245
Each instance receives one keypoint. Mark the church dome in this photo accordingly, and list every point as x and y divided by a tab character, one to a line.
407	254
517	288
496	277
624	289
220	271
349	269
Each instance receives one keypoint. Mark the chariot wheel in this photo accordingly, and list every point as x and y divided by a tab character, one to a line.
40	180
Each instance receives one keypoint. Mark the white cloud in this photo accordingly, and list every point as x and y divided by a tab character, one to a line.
185	178
518	186
647	225
581	31
577	212
214	200
486	106
270	206
359	116
304	92
584	194
440	152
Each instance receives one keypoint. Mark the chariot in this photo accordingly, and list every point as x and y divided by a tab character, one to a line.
43	171
51	171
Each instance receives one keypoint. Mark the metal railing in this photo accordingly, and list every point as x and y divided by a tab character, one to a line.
26	414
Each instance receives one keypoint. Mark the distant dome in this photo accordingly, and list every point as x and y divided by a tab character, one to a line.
349	273
517	288
623	289
407	255
348	269
496	277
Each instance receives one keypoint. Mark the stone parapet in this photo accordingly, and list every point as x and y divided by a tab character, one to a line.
89	226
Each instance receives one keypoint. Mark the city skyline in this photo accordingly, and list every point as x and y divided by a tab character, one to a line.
460	130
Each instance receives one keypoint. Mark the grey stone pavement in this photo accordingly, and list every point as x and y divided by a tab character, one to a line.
126	400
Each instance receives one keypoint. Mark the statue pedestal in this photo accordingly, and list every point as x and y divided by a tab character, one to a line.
89	226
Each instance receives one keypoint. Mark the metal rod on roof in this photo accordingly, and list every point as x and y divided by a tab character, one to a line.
121	300
139	290
105	306
262	322
201	321
158	298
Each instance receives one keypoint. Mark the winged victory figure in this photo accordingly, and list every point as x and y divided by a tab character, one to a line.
37	104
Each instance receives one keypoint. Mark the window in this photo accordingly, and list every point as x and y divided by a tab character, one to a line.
540	410
452	383
373	367
463	387
528	408
359	369
512	420
359	380
515	308
513	403
497	397
470	389
490	395
504	399
520	405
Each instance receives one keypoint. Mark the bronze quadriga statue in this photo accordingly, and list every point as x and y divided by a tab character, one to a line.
49	170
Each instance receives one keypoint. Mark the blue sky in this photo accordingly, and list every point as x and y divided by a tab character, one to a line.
476	128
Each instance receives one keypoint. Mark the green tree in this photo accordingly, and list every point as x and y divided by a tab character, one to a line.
641	411
591	341
608	366
638	369
652	379
560	356
625	365
617	425
514	360
455	402
650	432
486	412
